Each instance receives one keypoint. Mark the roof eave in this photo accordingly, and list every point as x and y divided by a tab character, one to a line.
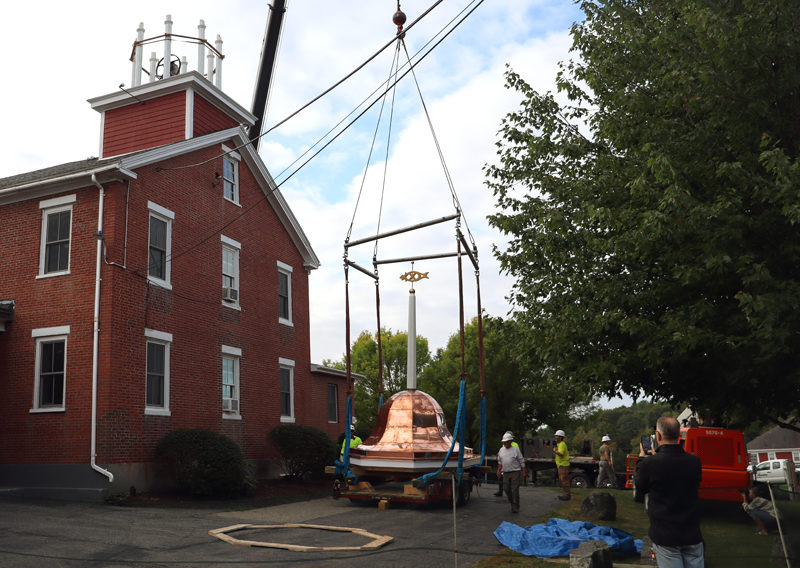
262	175
66	182
189	80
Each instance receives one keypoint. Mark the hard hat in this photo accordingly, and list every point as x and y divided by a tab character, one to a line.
508	436
606	438
509	432
560	433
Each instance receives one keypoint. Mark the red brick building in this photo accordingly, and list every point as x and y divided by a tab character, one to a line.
163	285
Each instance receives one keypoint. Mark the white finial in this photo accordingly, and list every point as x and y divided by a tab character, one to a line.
136	72
153	65
201	47
210	59
167	45
218	78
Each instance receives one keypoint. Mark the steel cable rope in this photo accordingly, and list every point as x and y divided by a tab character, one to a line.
343	466
318	97
447	176
459	418
392	71
371	148
386	156
353	121
377	89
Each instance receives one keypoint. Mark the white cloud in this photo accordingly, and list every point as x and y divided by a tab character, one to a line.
70	53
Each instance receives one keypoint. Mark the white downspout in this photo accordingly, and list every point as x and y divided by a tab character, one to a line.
96	334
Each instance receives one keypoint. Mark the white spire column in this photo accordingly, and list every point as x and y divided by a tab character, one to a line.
411	364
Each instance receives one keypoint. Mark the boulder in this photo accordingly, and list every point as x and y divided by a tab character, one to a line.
600	505
591	554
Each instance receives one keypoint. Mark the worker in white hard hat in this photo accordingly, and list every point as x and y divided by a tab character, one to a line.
511	465
500	477
562	464
606	476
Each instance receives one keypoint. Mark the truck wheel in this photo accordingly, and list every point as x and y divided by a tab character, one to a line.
464	492
579	480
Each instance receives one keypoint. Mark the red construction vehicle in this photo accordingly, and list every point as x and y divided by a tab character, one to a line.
724	458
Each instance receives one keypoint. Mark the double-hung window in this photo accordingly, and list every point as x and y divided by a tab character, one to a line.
287	389
230	271
51	368
230	381
230	175
333	402
284	293
56	235
159	257
157	378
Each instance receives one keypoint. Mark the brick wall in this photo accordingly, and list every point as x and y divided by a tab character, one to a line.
192	311
65	300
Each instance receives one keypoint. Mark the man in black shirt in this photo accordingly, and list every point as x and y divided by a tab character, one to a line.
667	482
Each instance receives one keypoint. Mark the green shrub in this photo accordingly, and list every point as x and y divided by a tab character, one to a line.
305	450
203	463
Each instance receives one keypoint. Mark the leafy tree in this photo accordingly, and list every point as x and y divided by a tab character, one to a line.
625	425
652	216
517	398
364	361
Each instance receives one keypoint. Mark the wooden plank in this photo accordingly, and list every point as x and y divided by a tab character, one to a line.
377	540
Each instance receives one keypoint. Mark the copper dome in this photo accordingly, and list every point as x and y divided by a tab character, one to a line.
411	434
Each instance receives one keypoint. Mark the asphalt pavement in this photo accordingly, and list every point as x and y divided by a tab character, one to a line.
66	534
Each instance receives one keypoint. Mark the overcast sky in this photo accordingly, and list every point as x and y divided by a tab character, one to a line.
59	54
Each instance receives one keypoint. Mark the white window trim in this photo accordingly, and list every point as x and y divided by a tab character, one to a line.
45	331
235	246
155	210
154	336
236	158
49	206
287	269
45	335
288	364
234	353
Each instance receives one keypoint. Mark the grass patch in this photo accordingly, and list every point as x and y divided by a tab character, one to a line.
727	530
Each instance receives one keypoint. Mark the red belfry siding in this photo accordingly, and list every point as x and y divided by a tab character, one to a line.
208	118
156	122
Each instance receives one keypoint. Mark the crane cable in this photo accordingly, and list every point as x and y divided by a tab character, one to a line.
447	176
246	210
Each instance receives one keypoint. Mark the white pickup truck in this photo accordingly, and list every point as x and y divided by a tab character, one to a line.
772	471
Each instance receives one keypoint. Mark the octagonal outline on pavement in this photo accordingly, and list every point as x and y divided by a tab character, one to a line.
222	534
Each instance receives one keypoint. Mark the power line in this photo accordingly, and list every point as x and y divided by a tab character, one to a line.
389	87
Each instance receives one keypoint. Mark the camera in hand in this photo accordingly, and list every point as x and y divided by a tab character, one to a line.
647	444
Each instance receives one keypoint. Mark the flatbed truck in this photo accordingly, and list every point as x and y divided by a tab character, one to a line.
538	454
402	488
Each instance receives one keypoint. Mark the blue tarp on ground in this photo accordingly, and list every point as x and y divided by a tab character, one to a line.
558	536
